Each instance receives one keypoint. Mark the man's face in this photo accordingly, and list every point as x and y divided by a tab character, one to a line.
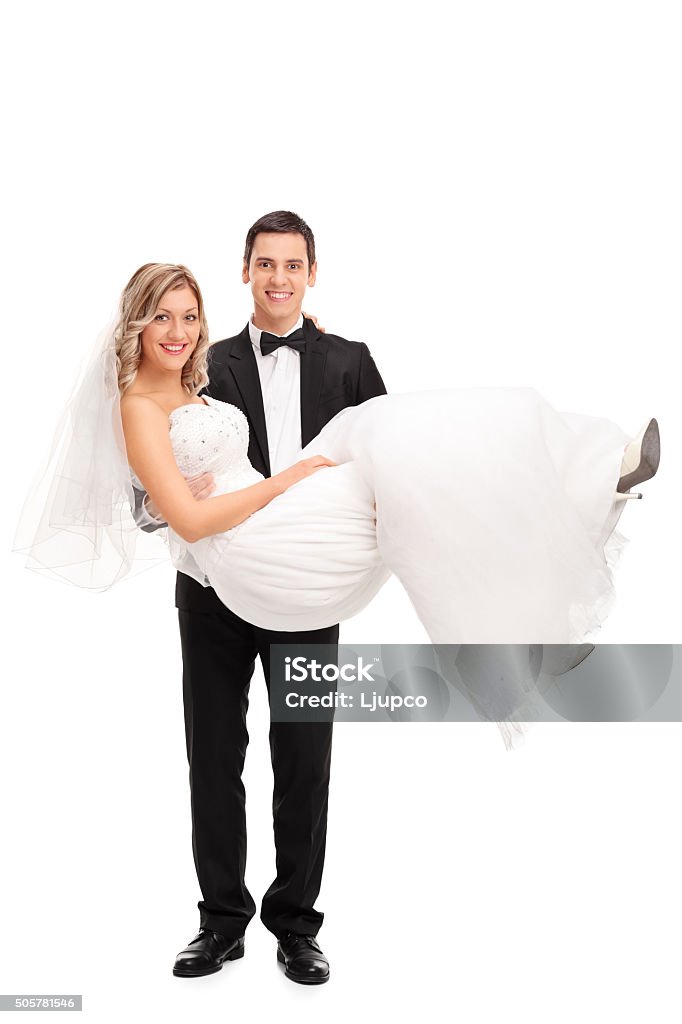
278	273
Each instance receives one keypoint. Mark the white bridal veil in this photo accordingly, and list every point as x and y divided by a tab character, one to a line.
78	521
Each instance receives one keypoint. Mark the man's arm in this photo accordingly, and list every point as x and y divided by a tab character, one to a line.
370	383
141	514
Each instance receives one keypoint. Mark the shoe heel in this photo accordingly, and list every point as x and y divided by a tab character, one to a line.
236	954
280	957
642	457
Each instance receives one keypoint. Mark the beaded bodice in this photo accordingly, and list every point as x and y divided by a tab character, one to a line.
213	438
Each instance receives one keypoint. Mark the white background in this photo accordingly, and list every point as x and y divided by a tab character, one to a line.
494	190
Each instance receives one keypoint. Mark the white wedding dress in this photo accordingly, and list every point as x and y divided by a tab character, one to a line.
496	512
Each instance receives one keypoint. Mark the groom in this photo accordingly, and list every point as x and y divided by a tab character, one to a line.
289	380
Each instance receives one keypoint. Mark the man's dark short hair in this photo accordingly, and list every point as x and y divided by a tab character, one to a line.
283	222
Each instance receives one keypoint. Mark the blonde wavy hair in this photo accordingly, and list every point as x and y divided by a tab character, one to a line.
139	302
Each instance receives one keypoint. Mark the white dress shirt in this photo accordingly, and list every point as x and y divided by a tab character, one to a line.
280	381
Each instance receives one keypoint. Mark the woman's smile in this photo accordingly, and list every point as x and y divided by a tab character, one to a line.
173	348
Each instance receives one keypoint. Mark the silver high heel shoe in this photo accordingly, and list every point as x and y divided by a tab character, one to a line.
640	461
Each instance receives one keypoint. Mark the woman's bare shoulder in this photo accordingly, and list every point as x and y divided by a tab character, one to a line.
139	400
138	406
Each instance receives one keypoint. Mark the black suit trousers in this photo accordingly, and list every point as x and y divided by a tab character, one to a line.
219	651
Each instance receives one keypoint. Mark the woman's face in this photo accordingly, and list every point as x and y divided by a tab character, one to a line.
171	337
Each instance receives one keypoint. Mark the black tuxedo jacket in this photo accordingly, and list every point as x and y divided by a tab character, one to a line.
335	373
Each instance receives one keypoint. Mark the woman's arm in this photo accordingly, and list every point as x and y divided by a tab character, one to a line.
150	453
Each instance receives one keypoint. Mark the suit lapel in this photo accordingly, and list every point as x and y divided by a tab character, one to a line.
312	371
242	364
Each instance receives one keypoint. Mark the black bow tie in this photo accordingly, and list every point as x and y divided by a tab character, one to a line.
269	342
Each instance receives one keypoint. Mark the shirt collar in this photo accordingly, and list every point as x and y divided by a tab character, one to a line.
255	332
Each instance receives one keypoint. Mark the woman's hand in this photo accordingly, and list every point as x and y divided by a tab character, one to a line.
306	467
309	316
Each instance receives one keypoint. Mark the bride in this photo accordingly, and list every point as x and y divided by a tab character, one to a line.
496	512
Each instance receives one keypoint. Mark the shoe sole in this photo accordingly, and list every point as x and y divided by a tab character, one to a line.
649	460
237	954
294	977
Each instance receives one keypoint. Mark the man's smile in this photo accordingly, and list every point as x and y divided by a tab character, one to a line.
279	296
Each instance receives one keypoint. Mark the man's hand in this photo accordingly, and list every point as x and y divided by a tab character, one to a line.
309	316
201	486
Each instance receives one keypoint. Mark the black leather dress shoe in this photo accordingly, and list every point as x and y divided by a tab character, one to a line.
206	954
303	959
